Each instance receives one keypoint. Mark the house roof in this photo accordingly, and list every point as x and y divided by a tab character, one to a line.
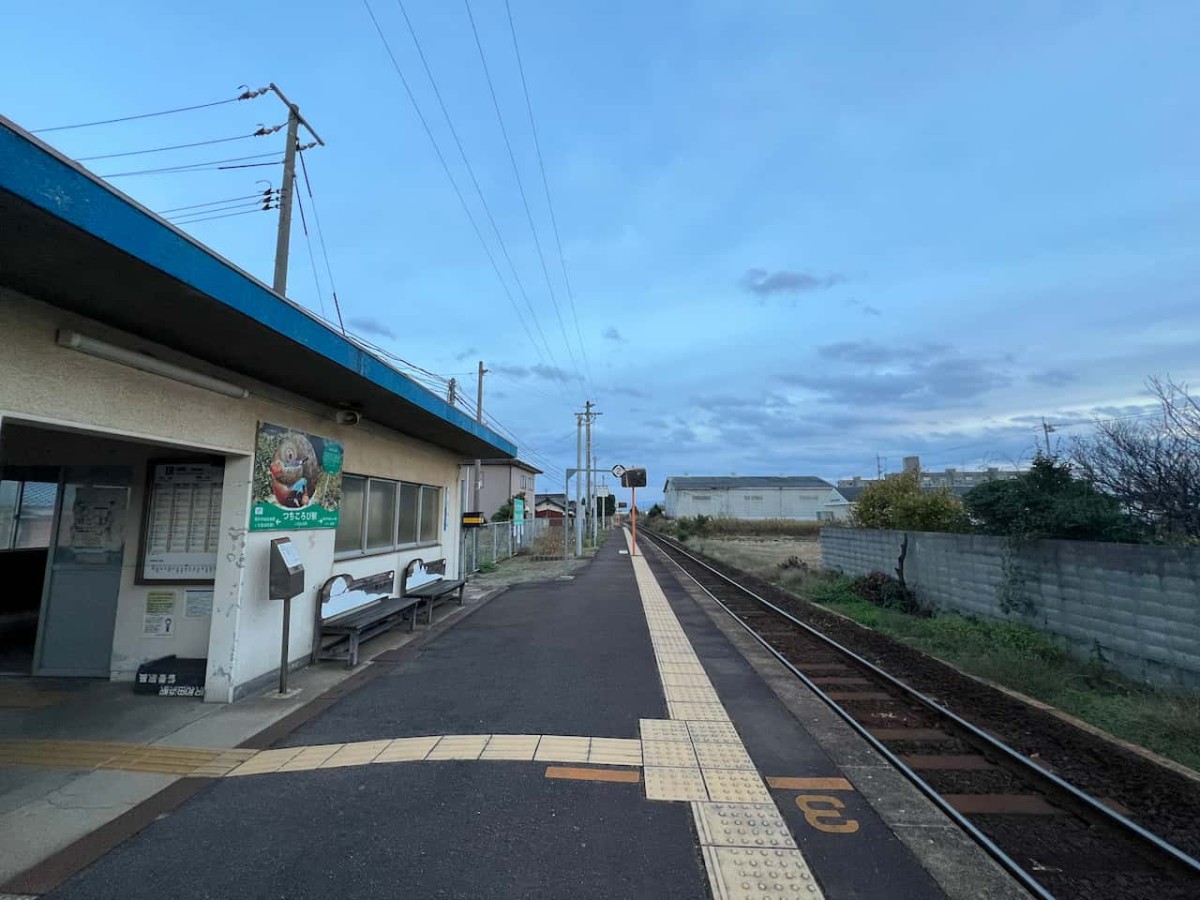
719	482
851	492
515	463
75	242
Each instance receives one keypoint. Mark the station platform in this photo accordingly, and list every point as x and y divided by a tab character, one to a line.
595	736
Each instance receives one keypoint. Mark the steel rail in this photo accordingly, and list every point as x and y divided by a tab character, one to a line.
1039	773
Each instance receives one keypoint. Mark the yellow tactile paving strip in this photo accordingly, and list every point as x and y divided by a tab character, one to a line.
206	763
696	756
91	755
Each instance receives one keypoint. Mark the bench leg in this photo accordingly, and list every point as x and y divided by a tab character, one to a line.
460	594
352	651
412	619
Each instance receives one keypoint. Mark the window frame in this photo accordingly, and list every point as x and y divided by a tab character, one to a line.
396	546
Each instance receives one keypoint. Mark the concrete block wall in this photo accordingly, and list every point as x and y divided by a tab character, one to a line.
1138	606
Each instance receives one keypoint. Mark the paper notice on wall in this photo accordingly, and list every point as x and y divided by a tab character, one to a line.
197	603
159	620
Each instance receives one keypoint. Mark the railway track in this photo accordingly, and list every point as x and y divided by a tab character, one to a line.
1056	839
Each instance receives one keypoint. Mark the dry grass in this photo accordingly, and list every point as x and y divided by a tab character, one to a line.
761	557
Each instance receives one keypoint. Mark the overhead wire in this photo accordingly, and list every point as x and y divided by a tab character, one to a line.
208	164
337	306
475	181
245	95
312	259
246	204
524	199
262	132
246	212
449	175
212	203
537	145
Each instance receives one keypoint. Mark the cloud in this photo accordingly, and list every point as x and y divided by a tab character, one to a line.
785	281
1054	377
865	373
466	354
544	372
613	335
868	352
866	308
371	325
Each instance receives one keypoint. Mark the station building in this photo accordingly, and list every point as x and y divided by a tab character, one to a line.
163	416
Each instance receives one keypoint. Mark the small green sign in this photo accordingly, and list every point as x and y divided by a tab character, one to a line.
518	509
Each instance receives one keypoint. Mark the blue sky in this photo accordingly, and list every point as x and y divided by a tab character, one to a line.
799	234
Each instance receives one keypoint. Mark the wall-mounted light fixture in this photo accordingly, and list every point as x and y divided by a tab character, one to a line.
135	360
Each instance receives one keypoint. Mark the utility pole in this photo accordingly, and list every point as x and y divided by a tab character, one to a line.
1046	429
878	467
578	474
284	236
587	460
595	505
478	418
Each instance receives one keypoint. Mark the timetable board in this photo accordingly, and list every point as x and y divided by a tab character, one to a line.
182	524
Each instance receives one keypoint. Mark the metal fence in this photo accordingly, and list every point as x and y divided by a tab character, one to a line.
540	538
489	544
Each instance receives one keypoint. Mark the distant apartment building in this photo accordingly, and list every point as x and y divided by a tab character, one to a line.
958	480
803	497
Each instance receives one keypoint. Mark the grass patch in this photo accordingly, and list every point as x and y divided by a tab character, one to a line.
723	526
1018	657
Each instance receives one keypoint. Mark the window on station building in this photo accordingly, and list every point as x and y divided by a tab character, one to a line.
379	514
431	507
26	514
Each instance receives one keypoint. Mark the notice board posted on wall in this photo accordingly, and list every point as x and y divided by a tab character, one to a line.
181	523
297	480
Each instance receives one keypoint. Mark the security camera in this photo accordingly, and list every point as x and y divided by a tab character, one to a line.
348	417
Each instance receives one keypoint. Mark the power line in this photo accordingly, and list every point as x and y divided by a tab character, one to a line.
212	203
245	204
311	258
521	188
262	132
537	144
245	95
475	181
449	175
210	218
321	237
209	164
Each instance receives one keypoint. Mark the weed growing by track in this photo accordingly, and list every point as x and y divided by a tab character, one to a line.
1008	653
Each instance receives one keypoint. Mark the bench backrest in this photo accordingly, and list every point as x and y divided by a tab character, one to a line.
342	594
419	572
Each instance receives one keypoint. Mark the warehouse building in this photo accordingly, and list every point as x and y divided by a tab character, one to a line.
803	497
163	417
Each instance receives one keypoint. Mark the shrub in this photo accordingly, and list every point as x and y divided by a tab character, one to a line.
883	590
897	502
1048	501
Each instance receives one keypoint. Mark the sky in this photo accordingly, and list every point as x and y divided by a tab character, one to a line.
804	238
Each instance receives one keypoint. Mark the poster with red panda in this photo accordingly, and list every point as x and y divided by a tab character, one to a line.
297	480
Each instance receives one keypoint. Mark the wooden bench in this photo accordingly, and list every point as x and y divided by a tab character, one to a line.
352	610
426	582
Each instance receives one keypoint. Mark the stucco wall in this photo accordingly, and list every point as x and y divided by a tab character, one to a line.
1139	606
47	386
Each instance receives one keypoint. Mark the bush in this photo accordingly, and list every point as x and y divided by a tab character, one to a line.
897	502
1048	501
883	590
